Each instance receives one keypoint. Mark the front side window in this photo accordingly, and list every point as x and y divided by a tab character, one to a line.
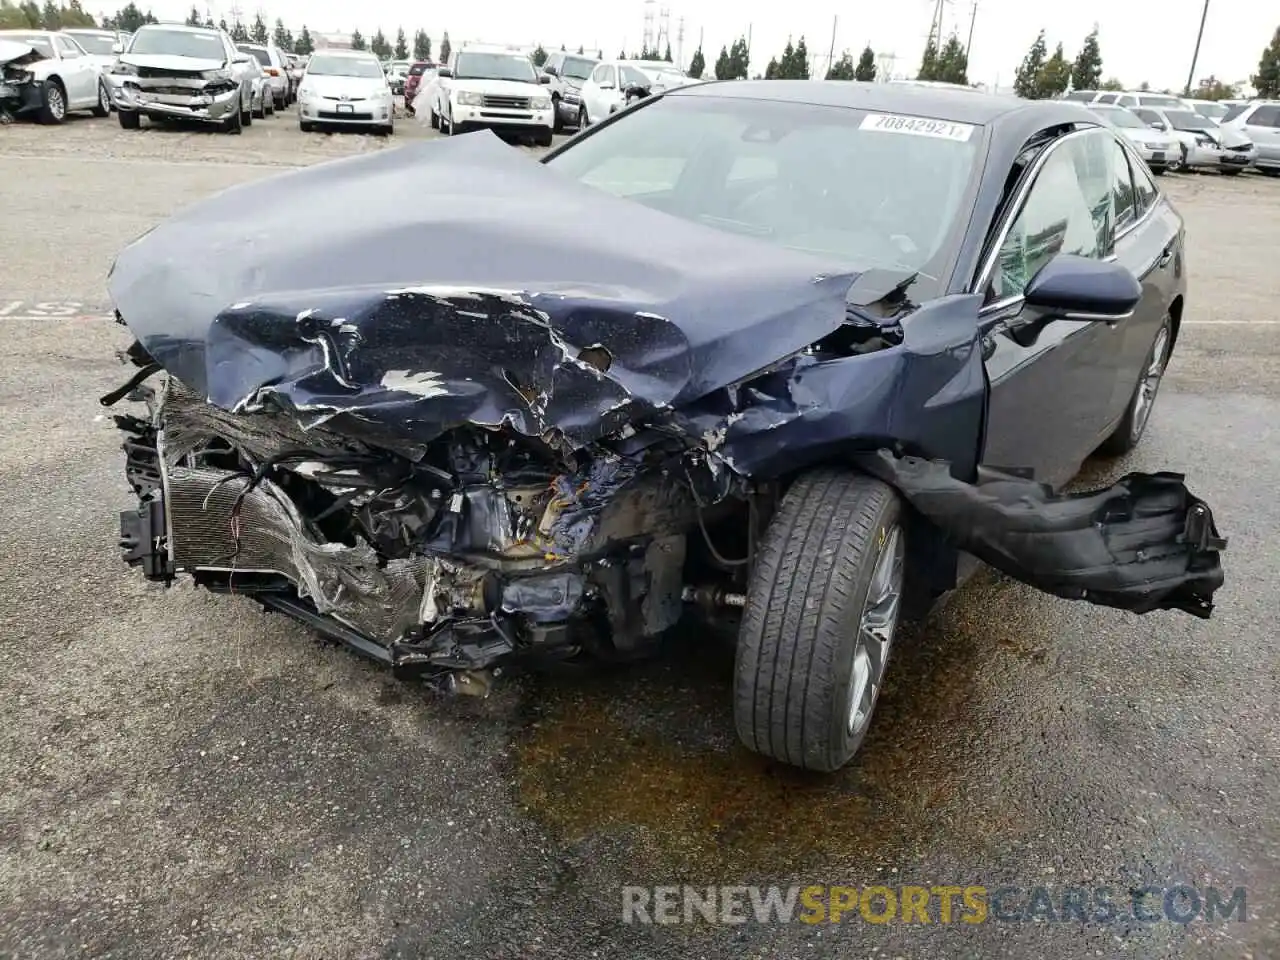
607	79
1069	209
1145	193
1123	200
827	180
67	48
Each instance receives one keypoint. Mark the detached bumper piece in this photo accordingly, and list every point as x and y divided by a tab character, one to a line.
1143	544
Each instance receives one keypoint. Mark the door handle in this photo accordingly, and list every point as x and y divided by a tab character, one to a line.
1165	257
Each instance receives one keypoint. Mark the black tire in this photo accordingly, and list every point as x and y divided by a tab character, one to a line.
435	120
556	124
305	127
795	665
583	120
261	112
53	103
103	108
129	119
233	124
544	139
1230	172
1134	423
246	119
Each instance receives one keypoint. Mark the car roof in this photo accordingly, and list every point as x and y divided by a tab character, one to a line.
184	27
95	30
959	105
354	54
30	32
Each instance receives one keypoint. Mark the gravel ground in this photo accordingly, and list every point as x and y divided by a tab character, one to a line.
189	776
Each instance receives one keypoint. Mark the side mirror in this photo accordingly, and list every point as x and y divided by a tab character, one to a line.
1159	125
444	72
241	58
1080	288
117	48
544	78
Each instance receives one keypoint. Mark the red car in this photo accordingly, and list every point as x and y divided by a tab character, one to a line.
411	81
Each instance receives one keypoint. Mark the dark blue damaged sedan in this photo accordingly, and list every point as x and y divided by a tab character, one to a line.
785	355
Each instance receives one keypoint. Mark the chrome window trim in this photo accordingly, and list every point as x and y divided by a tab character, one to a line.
989	262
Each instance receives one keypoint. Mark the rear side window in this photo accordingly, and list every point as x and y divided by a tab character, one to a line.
1233	112
1268	116
1122	192
1145	193
1108	97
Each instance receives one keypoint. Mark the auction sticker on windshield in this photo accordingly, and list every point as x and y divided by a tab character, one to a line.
917	126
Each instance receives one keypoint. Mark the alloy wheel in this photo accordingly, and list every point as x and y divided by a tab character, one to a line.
1149	385
876	627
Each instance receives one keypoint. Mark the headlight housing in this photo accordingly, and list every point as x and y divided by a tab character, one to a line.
540	103
222	74
124	69
468	98
305	93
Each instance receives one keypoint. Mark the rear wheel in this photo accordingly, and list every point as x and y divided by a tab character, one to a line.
53	108
1134	424
103	107
822	609
1231	172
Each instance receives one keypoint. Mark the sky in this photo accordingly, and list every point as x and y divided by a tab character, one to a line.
1139	41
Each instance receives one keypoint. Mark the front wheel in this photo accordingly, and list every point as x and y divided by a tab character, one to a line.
1134	423
822	609
1230	172
129	119
234	123
583	120
53	109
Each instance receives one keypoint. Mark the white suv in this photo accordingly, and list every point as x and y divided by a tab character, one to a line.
494	87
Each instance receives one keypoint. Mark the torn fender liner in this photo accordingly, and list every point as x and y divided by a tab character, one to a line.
461	283
1145	543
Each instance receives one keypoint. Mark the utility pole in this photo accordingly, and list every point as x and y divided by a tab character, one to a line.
973	18
748	50
1204	14
831	54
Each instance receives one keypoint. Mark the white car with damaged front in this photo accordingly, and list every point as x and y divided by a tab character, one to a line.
345	89
46	74
495	88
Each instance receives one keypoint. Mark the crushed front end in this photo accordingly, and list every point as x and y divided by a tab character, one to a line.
19	92
208	95
490	544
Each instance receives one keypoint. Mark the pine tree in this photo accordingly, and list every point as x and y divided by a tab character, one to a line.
800	62
259	32
739	58
866	68
723	67
842	69
193	18
281	36
667	56
304	46
1267	79
1086	72
539	56
446	49
402	45
421	45
357	40
378	46
1055	75
929	62
1026	80
697	65
953	62
238	33
772	71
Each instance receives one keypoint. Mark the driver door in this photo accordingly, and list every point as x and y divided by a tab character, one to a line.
79	74
1051	379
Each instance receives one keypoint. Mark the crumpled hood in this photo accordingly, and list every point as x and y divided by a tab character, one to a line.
1228	137
167	61
17	54
457	281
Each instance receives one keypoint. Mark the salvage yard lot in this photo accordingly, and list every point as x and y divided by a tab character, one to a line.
186	775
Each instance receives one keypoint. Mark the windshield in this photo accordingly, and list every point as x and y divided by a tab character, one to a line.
1214	111
1158	100
43	45
261	54
494	66
577	67
1119	117
179	43
826	180
329	66
1188	120
99	44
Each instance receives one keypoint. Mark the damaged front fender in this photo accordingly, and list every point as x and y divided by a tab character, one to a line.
1145	543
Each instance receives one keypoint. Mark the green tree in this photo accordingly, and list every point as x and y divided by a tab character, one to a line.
222	25
379	46
1026	80
1144	86
866	68
929	62
842	69
446	49
304	45
723	67
1267	79
599	54
1055	75
51	16
193	18
1086	71
1211	88
783	66
773	69
73	15
258	33
667	55
421	45
539	56
238	32
953	62
357	40
12	17
208	22
31	15
129	18
697	65
402	45
580	53
281	36
739	57
1111	83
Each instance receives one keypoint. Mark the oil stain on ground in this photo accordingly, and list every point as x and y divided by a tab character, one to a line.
650	755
